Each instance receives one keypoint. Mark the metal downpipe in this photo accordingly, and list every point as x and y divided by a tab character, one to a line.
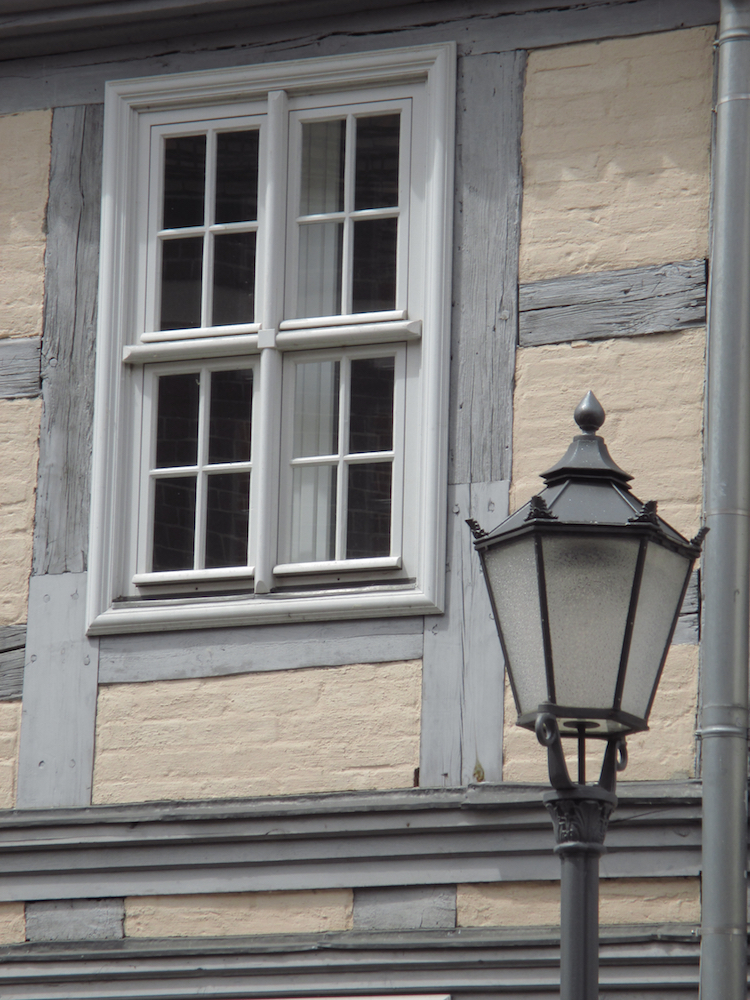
726	562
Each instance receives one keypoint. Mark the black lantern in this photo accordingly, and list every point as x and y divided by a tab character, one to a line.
586	584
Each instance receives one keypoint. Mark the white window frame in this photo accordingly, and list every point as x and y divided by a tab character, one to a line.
118	599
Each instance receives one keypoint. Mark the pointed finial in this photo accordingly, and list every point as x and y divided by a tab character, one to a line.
589	414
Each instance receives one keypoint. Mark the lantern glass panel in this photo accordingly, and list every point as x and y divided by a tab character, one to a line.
589	580
663	578
512	576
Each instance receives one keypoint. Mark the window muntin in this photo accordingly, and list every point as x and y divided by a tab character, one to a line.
348	210
203	221
343	433
418	86
196	475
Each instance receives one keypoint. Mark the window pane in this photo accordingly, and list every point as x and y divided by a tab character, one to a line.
368	525
316	409
374	277
181	268
234	278
376	184
371	413
230	423
320	246
323	145
174	524
227	514
177	420
184	181
313	513
236	176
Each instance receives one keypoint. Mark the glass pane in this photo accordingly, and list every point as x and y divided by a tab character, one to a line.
313	513
323	145
374	267
181	269
234	278
184	181
174	524
376	183
320	246
316	409
589	582
663	578
236	176
371	413
177	420
368	525
511	570
227	515
230	423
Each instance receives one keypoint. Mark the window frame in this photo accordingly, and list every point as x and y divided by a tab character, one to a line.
130	106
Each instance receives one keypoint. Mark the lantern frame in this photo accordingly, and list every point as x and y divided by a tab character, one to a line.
587	496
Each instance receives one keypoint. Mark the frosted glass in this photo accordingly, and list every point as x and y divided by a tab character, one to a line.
313	513
316	409
664	575
511	570
589	583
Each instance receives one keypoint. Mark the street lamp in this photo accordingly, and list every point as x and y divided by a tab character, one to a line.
586	583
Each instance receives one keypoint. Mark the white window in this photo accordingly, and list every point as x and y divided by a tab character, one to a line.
272	356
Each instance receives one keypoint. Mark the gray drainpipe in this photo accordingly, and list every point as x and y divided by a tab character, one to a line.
726	562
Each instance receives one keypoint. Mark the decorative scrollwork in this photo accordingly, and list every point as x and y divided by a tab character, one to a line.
647	514
476	530
580	820
539	511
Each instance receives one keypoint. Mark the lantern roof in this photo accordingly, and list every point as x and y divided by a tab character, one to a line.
586	487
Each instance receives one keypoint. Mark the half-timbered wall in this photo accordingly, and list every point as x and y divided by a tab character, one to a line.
581	222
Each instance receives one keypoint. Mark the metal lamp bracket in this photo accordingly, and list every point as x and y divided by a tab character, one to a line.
548	734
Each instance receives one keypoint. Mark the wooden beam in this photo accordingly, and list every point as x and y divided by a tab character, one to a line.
462	669
68	345
485	271
56	755
12	651
606	304
20	368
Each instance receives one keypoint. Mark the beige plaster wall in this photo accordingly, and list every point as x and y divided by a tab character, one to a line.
621	901
615	150
239	913
652	391
10	731
24	177
19	455
12	923
323	729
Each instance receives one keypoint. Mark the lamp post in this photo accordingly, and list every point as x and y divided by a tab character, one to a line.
586	583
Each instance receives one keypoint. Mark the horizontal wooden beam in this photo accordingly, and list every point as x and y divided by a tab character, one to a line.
20	368
345	840
608	304
650	963
12	652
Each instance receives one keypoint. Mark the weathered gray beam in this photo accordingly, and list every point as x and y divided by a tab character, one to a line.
648	962
56	754
220	652
12	646
415	838
688	624
71	276
75	920
425	907
487	29
485	267
607	304
462	669
20	368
